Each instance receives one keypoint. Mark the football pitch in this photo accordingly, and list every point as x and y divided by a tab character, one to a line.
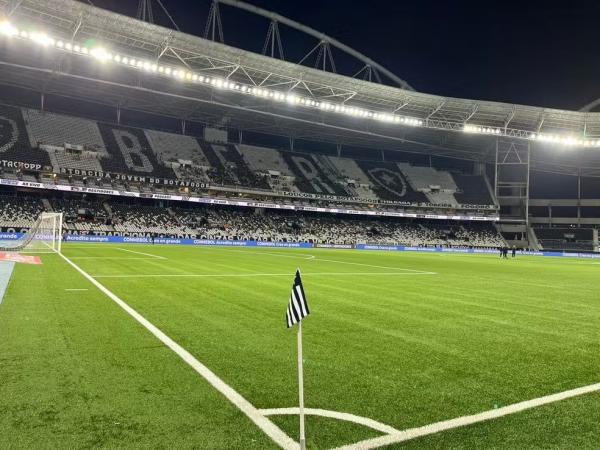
142	346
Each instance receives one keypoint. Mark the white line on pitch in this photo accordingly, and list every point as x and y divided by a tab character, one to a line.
232	275
284	256
74	290
412	433
114	257
372	265
267	426
264	252
140	253
347	417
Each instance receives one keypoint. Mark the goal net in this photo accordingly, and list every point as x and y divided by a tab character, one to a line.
44	236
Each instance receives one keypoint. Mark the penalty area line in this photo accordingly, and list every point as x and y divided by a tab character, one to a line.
267	426
459	422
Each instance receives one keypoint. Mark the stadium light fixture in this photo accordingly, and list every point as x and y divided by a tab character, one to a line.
100	54
42	39
8	29
569	141
103	55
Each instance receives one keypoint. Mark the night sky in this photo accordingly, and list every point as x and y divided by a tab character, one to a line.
528	52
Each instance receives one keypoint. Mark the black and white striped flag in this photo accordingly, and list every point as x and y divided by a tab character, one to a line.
298	306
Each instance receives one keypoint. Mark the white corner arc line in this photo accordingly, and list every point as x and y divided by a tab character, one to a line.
140	253
347	417
412	433
268	427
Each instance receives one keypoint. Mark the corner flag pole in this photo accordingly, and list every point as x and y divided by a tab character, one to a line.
296	311
301	388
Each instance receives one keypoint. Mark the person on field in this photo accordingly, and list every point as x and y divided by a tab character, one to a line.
514	251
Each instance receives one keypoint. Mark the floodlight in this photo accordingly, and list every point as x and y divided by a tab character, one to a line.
40	38
100	54
8	29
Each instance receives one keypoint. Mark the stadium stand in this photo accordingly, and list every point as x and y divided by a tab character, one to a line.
265	160
220	222
438	186
130	152
354	177
65	160
46	128
14	142
65	143
220	172
138	219
244	175
19	212
575	239
389	183
310	175
170	147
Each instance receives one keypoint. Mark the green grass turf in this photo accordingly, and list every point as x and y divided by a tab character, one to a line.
406	350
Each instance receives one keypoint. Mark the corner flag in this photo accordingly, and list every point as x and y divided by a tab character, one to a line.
296	311
298	307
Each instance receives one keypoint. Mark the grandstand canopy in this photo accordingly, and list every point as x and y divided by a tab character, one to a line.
441	125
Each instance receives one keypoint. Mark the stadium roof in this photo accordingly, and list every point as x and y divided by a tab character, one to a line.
433	124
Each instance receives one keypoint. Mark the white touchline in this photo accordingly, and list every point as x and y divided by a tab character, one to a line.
140	253
412	433
268	427
233	275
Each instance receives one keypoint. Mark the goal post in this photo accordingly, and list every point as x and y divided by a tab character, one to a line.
44	236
